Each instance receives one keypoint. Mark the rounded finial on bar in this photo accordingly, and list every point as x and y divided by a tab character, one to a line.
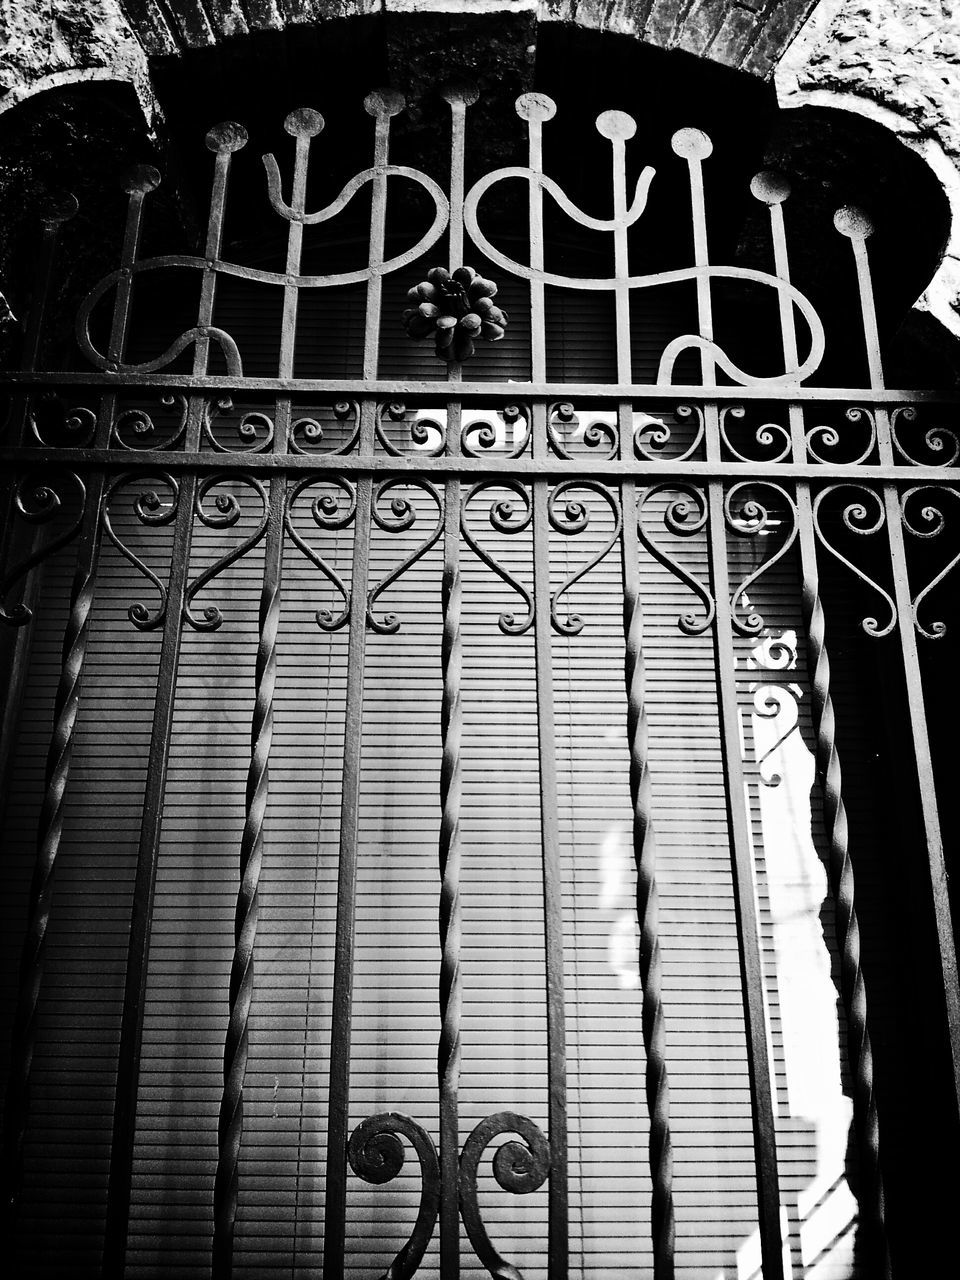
536	106
142	178
464	91
226	137
616	124
691	144
853	222
58	207
770	186
384	103
304	122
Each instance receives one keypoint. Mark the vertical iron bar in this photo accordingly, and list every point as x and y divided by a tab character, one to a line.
451	732
645	857
695	147
223	140
618	127
230	1128
382	105
338	1112
303	125
536	108
773	191
67	699
855	225
748	926
52	218
550	837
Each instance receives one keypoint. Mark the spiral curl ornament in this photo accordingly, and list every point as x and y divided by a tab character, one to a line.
938	440
256	430
483	435
52	423
750	520
657	1085
651	437
309	431
684	517
403	516
136	430
226	512
769	435
828	437
856	517
571	516
595	434
852	988
75	427
659	434
230	1125
768	701
376	1155
38	499
519	1167
934	521
150	509
326	512
420	429
504	518
49	833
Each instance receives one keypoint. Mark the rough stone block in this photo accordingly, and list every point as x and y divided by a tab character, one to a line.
701	25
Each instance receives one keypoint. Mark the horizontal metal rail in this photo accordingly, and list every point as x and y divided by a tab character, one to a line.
583	467
470	391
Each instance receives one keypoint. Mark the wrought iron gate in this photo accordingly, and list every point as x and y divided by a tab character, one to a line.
778	464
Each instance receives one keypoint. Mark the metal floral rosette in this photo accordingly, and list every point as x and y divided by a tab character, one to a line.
458	308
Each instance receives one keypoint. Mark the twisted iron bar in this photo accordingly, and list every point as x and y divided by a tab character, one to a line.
451	730
245	925
644	848
852	989
49	833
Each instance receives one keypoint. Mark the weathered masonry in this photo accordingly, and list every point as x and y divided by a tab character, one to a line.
479	631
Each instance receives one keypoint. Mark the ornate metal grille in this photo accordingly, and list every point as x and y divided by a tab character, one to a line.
681	456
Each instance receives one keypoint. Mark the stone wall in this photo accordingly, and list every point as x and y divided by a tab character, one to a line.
48	43
896	62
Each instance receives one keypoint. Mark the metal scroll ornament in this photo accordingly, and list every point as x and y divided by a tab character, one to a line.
456	308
